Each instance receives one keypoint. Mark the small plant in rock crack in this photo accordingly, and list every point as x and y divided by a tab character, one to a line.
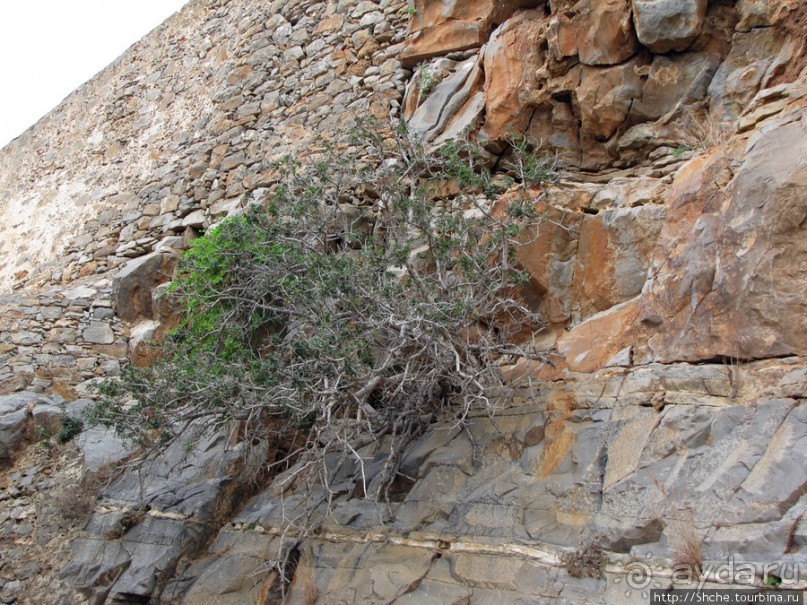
681	150
773	581
73	502
428	82
70	428
702	133
353	307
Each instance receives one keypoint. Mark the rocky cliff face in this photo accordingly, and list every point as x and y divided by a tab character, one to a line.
671	265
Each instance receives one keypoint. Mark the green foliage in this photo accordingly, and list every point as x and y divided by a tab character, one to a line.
410	10
773	581
428	82
348	305
531	170
70	428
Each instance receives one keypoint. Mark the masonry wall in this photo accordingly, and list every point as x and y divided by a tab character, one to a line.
53	340
170	138
172	134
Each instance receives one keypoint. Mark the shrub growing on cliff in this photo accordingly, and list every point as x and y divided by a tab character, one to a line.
356	304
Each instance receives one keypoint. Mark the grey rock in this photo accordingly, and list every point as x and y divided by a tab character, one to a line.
153	545
622	358
111	367
680	79
102	313
196	219
743	71
46	418
13	419
79	293
102	447
182	497
233	161
11	589
134	282
668	25
26	338
442	103
99	333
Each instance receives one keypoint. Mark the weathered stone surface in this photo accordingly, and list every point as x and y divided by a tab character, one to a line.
46	418
547	254
102	449
439	28
183	491
98	333
555	126
13	419
510	52
608	442
613	257
753	13
605	98
626	453
611	108
195	219
142	343
745	70
598	32
728	274
674	80
668	25
594	343
133	284
631	192
429	116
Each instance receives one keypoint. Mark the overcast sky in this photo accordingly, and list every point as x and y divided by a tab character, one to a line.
48	48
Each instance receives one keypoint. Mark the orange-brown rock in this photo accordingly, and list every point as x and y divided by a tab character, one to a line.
582	264
508	58
665	254
673	80
727	278
598	342
547	254
439	28
133	285
605	97
612	257
555	127
599	32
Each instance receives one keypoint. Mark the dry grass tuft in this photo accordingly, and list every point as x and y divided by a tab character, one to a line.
304	582
686	547
74	503
586	561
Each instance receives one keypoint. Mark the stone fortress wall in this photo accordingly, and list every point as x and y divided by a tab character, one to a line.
162	143
54	340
